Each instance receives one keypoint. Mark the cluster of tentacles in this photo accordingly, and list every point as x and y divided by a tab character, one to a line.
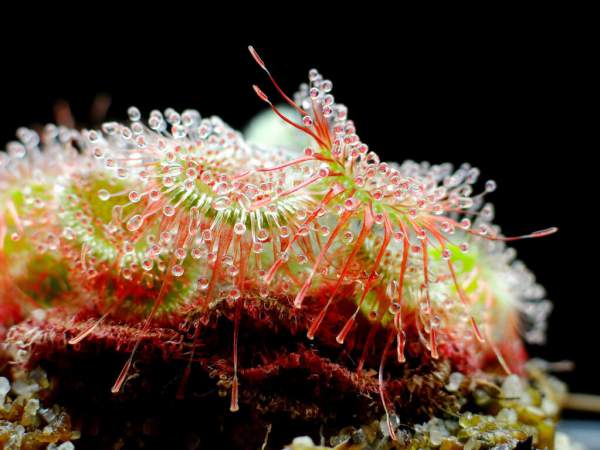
145	236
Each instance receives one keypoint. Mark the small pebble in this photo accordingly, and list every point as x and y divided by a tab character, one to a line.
454	381
4	389
512	387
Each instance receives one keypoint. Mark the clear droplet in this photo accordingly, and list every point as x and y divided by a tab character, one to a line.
103	194
203	283
490	186
135	222
239	228
350	203
168	210
134	196
68	233
284	231
348	237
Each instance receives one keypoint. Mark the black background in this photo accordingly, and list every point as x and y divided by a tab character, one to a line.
508	97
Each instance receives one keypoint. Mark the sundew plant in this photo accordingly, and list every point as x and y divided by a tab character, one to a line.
162	222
